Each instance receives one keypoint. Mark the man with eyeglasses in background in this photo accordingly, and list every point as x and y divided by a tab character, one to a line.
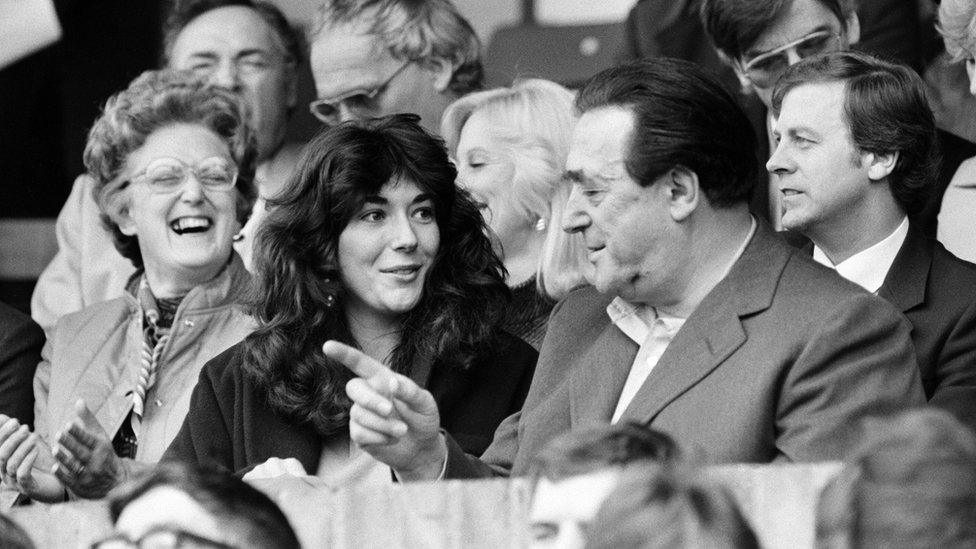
242	45
760	39
377	57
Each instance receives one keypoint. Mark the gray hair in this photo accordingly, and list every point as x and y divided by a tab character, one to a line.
417	30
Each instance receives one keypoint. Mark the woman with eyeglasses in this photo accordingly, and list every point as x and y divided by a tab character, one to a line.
372	244
173	163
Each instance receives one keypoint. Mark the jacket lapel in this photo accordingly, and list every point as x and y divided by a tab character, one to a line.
904	286
714	330
596	386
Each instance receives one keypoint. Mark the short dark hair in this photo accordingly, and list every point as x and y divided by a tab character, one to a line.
584	451
735	25
682	117
886	110
415	30
299	299
234	503
185	11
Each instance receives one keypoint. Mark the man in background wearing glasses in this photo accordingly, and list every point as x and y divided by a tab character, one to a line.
376	57
759	39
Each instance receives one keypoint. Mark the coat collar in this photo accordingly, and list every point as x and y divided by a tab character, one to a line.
904	286
714	330
596	387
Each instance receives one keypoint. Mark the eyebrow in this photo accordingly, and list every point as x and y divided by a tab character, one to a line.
208	54
751	53
377	199
573	176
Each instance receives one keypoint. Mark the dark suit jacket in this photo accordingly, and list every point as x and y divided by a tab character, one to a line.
780	361
230	424
21	341
936	291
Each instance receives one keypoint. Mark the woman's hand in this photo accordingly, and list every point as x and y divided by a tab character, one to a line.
392	418
86	460
26	463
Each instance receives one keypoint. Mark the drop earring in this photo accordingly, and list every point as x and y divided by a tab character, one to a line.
540	224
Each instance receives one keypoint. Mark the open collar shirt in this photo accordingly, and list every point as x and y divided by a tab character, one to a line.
653	330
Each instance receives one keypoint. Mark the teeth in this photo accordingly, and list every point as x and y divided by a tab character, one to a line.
191	224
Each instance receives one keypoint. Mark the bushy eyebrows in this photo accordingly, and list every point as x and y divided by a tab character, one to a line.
382	201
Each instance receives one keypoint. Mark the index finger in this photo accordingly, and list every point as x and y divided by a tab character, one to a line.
354	359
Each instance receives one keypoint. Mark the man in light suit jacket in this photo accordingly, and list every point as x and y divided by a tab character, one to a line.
700	323
855	160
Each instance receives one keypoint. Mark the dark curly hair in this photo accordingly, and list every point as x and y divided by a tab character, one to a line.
155	100
298	297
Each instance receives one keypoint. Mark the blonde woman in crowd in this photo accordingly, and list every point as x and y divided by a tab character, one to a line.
510	146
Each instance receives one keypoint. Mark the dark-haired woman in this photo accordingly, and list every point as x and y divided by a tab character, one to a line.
370	244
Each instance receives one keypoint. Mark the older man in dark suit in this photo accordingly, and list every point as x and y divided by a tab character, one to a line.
701	323
855	160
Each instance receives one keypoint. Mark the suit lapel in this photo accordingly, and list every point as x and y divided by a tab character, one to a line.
714	331
596	386
904	286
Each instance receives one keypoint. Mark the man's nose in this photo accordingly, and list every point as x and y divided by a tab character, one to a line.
226	76
574	218
779	162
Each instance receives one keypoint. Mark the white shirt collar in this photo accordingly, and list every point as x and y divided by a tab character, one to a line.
869	268
635	319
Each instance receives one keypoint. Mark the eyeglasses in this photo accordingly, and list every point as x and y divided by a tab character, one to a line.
166	175
159	537
764	69
359	101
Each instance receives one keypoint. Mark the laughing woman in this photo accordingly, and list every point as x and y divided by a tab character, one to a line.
173	164
371	244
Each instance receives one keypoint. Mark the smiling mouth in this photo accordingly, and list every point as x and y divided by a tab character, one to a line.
789	192
404	270
189	225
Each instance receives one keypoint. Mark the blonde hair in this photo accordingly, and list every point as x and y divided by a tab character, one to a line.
534	118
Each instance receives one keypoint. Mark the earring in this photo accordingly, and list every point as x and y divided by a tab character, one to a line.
540	225
329	297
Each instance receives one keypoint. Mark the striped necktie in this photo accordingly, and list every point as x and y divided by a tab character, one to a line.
154	339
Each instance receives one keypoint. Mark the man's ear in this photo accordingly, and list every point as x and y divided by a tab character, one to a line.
442	71
684	192
853	34
881	165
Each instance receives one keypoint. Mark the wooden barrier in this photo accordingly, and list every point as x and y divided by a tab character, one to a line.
778	500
